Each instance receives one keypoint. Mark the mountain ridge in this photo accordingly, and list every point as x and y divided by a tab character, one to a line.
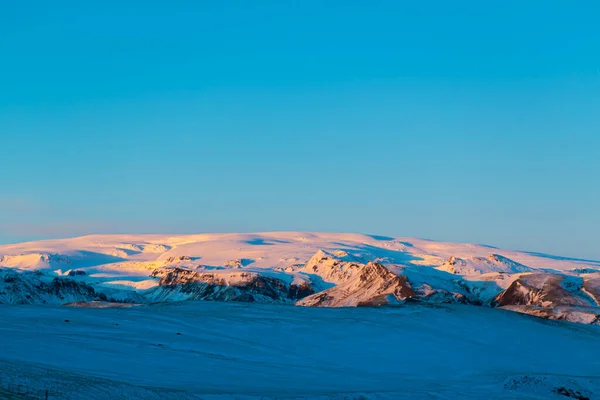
302	268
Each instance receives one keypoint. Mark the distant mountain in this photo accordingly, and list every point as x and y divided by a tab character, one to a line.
306	269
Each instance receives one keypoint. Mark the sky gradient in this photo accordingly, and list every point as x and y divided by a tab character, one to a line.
459	121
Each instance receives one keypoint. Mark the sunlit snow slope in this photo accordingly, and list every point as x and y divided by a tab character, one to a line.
307	269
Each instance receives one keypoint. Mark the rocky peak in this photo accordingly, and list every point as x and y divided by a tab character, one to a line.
482	265
183	283
370	284
330	268
540	289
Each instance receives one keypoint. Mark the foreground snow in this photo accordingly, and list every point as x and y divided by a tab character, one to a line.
213	350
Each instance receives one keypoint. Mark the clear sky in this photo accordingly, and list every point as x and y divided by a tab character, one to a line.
470	121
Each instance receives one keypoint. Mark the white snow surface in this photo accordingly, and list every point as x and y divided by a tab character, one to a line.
215	350
140	253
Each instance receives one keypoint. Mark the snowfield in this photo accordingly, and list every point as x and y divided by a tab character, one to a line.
219	350
294	315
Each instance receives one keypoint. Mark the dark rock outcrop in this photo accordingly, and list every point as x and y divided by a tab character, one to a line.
541	289
546	296
186	284
36	288
370	285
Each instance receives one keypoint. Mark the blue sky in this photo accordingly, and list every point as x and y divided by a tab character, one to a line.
465	121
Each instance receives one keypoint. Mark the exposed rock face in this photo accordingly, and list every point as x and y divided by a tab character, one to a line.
330	268
545	296
36	288
360	284
176	259
155	248
591	286
186	284
429	294
367	285
68	288
234	263
542	290
581	315
480	265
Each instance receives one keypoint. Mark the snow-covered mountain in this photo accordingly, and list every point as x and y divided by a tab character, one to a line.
306	269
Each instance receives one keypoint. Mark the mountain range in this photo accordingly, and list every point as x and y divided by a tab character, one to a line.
297	268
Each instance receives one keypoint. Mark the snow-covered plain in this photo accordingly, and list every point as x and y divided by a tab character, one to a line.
217	350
